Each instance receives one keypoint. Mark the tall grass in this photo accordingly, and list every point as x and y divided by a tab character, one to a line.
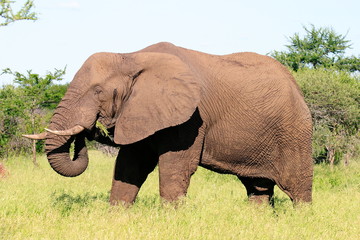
36	203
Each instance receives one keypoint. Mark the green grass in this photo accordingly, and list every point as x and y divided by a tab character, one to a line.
37	203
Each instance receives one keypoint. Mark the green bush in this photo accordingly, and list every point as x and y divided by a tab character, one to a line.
26	108
15	120
333	98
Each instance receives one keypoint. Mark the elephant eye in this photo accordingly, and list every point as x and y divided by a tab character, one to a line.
98	90
99	94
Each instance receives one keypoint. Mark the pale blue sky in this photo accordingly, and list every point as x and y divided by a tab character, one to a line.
68	31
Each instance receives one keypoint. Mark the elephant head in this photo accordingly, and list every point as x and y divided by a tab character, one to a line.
136	94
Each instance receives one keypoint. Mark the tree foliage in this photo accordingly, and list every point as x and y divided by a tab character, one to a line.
320	47
27	107
334	100
40	92
8	15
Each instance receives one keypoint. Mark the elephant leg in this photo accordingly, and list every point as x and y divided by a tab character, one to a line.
175	170
259	190
179	149
177	167
296	178
300	190
133	164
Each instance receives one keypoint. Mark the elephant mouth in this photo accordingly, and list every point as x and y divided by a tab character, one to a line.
105	122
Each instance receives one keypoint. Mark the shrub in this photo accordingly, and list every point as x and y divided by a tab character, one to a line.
333	98
27	108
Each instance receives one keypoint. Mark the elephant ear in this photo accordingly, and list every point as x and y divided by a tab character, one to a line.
164	93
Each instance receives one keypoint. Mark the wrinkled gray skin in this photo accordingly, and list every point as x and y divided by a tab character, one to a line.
240	114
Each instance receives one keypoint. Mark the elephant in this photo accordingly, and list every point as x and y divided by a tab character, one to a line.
176	108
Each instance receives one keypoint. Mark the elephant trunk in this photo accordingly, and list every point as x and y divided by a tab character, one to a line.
57	147
67	126
58	154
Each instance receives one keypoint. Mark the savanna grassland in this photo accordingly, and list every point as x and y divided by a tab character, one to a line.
37	203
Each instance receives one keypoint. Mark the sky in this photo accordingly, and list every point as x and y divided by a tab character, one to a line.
69	31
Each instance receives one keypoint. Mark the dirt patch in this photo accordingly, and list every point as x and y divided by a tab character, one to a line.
3	172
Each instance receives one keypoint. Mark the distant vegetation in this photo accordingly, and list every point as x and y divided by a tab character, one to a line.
334	100
319	48
27	107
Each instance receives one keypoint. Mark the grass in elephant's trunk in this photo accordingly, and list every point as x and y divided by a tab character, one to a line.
58	154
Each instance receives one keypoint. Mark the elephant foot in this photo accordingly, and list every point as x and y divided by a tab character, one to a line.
174	195
300	196
259	190
261	199
178	202
123	193
300	192
173	185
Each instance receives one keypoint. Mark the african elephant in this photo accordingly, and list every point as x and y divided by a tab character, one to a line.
240	114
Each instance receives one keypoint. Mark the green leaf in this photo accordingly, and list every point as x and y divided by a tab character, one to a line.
320	47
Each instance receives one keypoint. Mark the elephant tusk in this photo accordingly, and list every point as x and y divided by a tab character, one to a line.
39	136
68	132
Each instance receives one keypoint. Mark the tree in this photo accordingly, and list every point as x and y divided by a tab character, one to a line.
11	108
25	105
333	98
8	15
320	47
